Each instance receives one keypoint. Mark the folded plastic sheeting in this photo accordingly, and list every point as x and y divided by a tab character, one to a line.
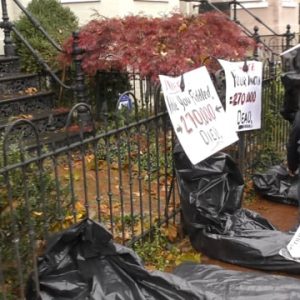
83	263
275	184
221	284
211	195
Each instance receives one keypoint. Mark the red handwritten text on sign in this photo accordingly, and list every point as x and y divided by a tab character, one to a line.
198	117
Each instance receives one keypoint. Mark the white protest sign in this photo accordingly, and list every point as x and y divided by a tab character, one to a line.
197	115
243	93
294	245
286	254
292	250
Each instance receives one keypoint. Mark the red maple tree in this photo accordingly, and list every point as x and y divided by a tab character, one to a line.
152	46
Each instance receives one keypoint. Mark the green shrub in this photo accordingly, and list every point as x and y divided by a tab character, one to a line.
58	21
35	203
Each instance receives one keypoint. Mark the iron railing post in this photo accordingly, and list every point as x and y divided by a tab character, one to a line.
9	48
272	67
256	38
79	85
288	37
234	10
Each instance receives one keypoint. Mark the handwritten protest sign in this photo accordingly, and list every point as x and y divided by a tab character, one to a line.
294	245
197	115
292	250
243	94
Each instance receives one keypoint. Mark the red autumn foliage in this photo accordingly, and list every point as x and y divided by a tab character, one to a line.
169	45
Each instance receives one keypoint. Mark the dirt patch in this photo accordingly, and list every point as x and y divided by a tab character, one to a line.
131	190
283	216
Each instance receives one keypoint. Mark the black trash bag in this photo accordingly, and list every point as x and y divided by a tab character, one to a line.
221	284
217	179
211	197
277	185
83	263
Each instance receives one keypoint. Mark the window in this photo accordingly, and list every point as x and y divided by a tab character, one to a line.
222	6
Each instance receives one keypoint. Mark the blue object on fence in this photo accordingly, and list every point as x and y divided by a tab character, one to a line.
124	101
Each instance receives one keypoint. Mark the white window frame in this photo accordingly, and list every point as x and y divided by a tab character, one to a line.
253	3
289	3
77	1
162	1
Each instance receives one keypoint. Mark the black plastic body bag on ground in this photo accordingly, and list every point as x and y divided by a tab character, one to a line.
83	263
276	185
211	196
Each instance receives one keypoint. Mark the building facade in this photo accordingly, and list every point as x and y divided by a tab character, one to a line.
276	14
86	10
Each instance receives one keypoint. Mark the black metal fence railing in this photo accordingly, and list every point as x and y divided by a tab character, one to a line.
279	44
121	175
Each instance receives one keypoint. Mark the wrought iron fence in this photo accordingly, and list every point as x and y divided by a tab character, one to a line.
117	170
259	149
120	175
279	43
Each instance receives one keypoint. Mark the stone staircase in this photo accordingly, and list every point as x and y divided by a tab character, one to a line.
26	96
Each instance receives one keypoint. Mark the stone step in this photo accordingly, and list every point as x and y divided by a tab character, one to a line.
44	120
25	96
17	104
18	82
8	65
